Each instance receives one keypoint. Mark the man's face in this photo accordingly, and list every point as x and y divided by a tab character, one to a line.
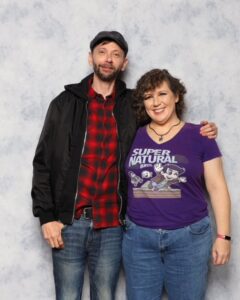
108	61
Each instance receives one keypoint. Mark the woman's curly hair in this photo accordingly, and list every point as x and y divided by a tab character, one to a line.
148	82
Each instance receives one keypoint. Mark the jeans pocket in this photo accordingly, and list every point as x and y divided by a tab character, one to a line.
200	227
64	227
129	224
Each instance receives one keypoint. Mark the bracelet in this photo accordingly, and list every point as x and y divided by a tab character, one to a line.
224	237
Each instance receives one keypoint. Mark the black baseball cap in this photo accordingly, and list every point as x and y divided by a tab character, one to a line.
114	36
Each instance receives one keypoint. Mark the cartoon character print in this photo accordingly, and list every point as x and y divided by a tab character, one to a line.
166	176
146	174
135	180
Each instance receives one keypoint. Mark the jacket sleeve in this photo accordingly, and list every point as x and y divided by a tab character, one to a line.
43	203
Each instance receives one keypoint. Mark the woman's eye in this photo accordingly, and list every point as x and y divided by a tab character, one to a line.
147	97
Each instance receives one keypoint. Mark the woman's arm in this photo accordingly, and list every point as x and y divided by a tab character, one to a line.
220	200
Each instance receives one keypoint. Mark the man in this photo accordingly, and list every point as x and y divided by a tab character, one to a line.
79	190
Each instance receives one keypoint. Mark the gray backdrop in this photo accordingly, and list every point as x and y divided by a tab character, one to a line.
45	44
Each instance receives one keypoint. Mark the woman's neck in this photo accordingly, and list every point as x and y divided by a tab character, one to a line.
161	133
161	126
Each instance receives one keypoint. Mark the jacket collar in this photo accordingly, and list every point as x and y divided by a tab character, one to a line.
81	89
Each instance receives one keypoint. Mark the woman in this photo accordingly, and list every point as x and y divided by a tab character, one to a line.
168	239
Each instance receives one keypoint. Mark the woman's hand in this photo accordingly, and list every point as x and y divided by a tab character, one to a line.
221	251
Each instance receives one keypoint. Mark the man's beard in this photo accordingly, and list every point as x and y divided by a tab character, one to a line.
107	78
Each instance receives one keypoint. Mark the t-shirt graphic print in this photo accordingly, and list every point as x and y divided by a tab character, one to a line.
166	181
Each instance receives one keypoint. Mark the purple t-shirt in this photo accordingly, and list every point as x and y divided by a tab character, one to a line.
166	182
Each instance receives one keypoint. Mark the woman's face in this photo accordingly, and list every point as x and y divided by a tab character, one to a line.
160	104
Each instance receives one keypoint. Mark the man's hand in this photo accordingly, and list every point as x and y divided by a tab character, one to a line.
52	233
208	129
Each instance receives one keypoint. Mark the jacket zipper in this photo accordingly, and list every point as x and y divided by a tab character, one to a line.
119	165
76	195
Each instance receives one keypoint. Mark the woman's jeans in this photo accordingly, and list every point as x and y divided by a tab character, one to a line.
99	249
176	259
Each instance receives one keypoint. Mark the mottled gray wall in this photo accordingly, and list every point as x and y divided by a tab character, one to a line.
44	45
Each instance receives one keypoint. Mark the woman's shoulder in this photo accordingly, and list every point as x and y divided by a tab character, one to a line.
193	132
141	129
192	128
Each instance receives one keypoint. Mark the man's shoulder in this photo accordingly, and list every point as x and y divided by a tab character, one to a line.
129	91
71	92
62	98
128	94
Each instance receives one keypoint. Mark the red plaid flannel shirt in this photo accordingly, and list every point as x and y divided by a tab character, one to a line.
98	174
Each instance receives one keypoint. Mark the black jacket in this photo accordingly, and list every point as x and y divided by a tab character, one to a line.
58	154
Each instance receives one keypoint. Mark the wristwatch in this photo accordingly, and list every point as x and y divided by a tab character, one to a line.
224	237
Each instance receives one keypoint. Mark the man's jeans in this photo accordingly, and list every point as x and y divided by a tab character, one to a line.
176	259
99	249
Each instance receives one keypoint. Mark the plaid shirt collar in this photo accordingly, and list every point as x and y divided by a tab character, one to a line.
92	94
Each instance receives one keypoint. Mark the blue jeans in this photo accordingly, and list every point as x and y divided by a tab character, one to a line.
100	249
175	259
